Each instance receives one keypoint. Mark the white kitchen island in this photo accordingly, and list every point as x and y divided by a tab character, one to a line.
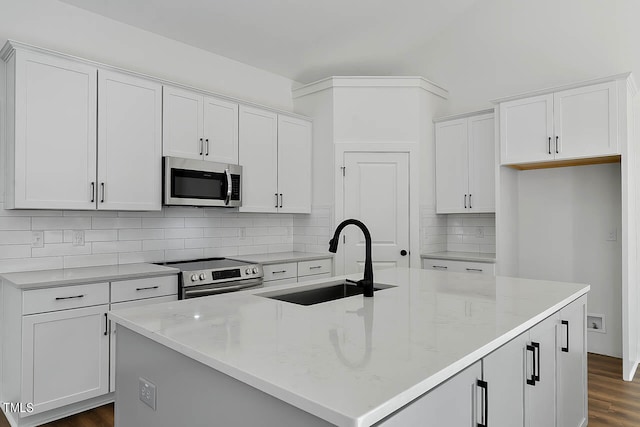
419	353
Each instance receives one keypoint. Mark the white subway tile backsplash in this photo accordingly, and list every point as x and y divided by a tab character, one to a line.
54	236
183	212
181	254
105	214
220	232
222	252
237	222
163	222
111	223
133	257
15	251
141	233
23	264
72	261
183	233
154	245
116	246
60	223
202	222
462	232
15	237
15	223
136	214
60	249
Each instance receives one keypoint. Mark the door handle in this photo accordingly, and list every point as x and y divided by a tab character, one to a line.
485	404
201	146
443	267
557	151
470	201
549	146
93	191
403	253
102	192
532	381
281	199
465	201
229	186
106	325
276	200
206	153
566	349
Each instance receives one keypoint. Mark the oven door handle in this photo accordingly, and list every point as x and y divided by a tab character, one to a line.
219	290
229	187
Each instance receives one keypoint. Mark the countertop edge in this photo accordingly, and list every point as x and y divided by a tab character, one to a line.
334	416
449	257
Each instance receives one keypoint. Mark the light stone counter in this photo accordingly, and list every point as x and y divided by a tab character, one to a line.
354	361
83	275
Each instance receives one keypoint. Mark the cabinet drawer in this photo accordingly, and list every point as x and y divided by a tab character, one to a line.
64	298
280	271
458	266
149	287
288	281
319	266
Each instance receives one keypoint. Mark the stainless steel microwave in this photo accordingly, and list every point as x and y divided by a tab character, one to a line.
189	182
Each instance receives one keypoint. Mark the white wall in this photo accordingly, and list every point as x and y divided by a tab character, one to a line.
68	29
505	47
565	217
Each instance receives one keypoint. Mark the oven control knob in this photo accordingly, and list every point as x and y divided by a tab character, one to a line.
255	270
248	271
194	277
203	276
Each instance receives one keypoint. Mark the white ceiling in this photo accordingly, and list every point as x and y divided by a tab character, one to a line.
304	40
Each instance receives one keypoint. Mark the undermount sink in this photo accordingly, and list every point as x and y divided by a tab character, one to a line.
317	295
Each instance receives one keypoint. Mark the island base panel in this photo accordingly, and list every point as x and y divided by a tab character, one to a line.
190	393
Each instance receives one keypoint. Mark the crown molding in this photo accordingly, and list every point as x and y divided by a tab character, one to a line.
463	115
370	81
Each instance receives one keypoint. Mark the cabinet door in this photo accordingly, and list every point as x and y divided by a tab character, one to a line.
65	357
129	143
220	131
503	371
452	166
182	115
54	149
482	162
452	403
586	121
526	130
259	160
540	399
112	328
572	365
294	165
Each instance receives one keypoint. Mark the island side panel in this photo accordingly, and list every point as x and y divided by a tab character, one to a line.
189	393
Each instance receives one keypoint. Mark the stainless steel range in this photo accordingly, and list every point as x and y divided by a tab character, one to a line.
212	276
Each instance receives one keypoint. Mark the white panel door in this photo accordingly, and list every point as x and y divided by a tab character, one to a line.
112	329
503	370
540	399
129	143
65	357
571	354
586	121
294	165
376	192
182	123
259	160
452	166
55	133
526	130
220	131
482	155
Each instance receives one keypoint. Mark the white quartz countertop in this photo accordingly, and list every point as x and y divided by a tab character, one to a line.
276	258
461	256
356	360
78	276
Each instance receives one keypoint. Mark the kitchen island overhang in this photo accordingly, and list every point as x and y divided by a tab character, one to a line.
349	362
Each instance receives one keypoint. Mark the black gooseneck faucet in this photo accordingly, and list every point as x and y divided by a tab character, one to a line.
367	281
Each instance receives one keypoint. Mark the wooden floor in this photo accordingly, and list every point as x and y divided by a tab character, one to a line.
612	402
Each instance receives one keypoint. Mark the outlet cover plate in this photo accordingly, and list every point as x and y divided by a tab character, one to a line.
147	393
37	239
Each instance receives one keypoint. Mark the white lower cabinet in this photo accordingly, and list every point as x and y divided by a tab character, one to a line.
65	357
538	379
296	272
459	266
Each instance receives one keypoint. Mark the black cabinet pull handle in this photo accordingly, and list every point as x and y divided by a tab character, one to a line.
147	288
102	188
93	191
557	145
73	297
536	372
201	146
549	147
444	267
485	407
206	153
315	267
281	199
465	201
532	380
566	323
276	200
475	269
470	207
280	272
106	325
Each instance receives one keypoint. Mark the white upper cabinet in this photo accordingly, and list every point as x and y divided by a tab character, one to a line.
576	123
275	154
51	132
465	165
199	127
129	142
259	160
294	165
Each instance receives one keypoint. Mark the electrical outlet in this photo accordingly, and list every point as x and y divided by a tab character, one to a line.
37	239
78	238
242	233
479	232
147	393
612	236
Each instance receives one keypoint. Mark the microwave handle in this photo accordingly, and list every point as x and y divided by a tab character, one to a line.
229	186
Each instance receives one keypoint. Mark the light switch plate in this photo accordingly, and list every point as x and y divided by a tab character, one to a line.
147	393
612	236
37	239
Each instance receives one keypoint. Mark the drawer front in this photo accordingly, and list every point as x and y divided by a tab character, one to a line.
149	287
64	298
315	277
280	271
458	266
319	266
288	281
